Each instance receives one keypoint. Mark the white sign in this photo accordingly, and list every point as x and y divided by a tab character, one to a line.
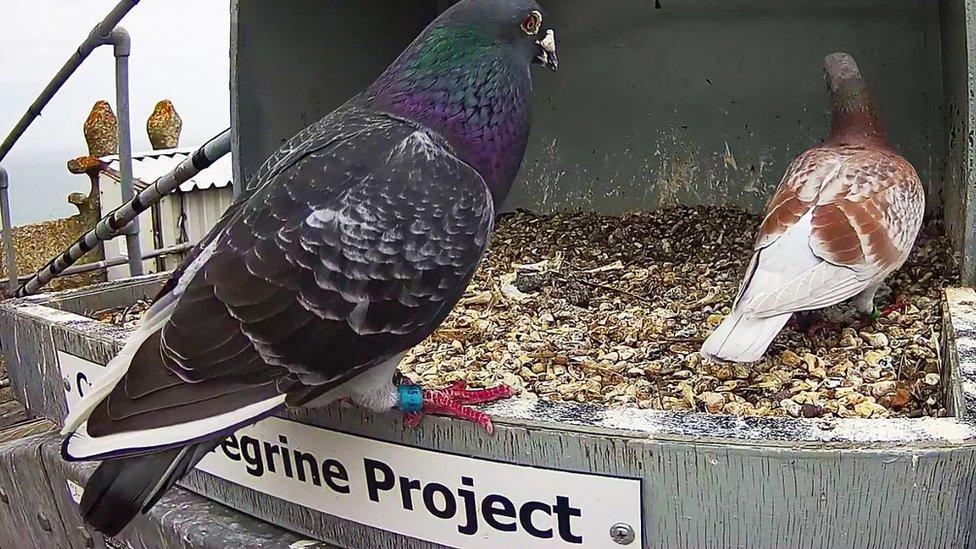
452	500
442	498
78	376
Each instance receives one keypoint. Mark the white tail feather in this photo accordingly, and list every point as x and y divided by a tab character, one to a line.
157	315
82	446
742	338
117	367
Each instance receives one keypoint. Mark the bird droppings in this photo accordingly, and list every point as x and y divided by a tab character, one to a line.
611	311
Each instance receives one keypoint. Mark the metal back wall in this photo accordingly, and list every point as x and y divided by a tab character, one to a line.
292	61
656	103
959	189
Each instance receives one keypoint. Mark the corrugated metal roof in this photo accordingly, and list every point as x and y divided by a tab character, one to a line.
149	166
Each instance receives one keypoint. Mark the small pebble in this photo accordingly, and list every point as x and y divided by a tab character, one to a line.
789	358
811	411
713	402
899	399
878	341
883	388
791	407
873	358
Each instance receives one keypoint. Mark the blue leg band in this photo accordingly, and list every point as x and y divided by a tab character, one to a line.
411	398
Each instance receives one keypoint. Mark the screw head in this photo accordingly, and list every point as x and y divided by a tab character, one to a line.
67	384
623	534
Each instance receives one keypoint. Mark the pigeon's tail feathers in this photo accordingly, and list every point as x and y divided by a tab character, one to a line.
122	488
152	323
118	366
743	338
83	446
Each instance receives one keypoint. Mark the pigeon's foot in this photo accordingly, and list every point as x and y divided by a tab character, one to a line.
900	305
812	323
455	401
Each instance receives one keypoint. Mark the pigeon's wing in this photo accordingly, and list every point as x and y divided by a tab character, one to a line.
346	123
327	279
851	215
356	253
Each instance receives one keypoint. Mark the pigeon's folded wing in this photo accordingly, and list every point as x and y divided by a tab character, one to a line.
863	208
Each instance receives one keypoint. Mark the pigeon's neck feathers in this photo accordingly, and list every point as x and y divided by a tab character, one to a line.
456	82
855	121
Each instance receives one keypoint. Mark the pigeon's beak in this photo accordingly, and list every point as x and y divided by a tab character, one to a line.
547	51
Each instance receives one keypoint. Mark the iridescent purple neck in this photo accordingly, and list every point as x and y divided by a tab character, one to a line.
469	92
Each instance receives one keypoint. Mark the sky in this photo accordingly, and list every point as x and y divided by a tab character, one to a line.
180	51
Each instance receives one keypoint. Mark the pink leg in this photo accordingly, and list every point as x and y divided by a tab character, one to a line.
456	401
812	323
899	305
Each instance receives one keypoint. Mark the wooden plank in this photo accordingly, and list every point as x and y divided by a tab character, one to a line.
11	412
29	516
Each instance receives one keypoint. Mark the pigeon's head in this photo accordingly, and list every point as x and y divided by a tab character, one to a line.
855	119
514	26
841	73
467	77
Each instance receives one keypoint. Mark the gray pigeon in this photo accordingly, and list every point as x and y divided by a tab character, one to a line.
349	246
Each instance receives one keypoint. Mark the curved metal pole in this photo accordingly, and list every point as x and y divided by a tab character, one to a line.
96	37
122	48
113	224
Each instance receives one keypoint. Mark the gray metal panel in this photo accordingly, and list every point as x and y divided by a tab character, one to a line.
959	52
700	101
696	494
30	326
294	60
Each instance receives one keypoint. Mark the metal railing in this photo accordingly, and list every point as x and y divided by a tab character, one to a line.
98	37
106	32
114	224
105	264
8	241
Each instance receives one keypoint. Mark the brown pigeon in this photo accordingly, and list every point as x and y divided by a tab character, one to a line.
844	217
164	126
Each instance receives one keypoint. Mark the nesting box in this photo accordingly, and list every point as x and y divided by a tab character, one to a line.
683	102
656	104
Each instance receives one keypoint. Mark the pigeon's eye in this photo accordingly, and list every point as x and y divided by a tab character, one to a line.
532	23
